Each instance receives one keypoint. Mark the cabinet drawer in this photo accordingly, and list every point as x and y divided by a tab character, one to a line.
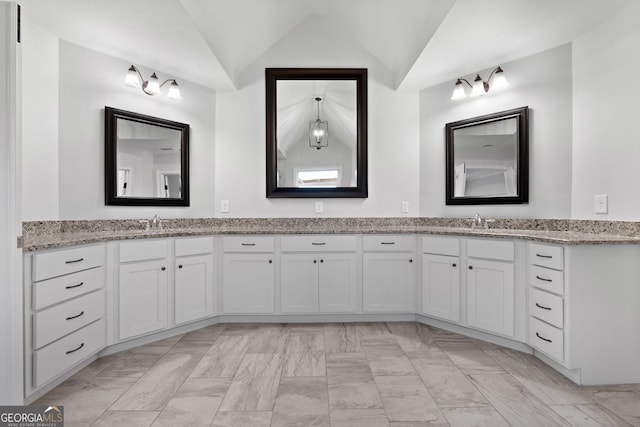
58	289
441	246
388	243
546	256
546	338
142	250
194	246
491	249
547	279
318	243
546	306
248	244
57	263
56	358
58	321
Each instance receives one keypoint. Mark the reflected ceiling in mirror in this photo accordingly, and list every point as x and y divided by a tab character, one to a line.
487	159
146	160
316	132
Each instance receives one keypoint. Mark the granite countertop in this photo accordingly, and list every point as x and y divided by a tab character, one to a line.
59	234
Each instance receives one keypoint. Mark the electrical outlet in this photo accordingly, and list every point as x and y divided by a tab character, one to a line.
404	207
601	204
319	207
224	206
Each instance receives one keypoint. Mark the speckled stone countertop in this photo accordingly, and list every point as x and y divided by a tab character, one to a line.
38	235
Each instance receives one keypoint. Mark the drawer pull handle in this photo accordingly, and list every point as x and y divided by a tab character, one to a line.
543	338
543	307
74	286
179	265
318	244
73	261
454	265
76	316
544	256
471	267
75	349
248	244
387	243
543	279
163	268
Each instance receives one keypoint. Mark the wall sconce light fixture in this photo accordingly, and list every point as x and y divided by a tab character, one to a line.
153	85
318	131
480	87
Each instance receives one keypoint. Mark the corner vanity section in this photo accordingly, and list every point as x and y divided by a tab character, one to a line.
573	303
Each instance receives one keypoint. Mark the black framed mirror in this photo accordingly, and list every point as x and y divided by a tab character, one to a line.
487	159
146	160
316	132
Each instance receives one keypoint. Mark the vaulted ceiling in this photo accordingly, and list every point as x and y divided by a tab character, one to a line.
422	42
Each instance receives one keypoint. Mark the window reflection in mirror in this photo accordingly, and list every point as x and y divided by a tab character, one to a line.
146	160
487	159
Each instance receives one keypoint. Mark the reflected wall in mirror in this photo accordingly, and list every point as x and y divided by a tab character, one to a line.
146	160
316	132
487	159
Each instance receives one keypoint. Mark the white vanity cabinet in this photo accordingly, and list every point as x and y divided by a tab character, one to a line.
64	311
318	274
193	285
491	285
441	277
388	274
143	287
583	310
248	275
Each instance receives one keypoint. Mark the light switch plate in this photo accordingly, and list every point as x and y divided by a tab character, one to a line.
601	204
319	207
404	207
224	206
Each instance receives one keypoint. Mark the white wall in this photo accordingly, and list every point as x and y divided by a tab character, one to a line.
89	81
606	145
542	82
393	131
40	123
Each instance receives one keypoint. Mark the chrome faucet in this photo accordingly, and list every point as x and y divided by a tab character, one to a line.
156	222
479	222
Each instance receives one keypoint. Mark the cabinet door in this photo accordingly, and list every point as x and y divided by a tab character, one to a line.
388	282
193	288
490	296
441	286
143	298
299	283
337	283
248	283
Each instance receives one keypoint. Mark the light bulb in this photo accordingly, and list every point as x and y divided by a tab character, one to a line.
499	80
458	91
174	91
478	87
153	86
132	78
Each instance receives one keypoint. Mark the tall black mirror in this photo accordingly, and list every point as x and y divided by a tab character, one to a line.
316	122
146	160
487	159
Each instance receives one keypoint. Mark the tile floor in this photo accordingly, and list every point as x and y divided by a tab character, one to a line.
360	374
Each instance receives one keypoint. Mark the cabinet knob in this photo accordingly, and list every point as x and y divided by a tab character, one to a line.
315	261
471	267
270	261
321	260
410	260
454	265
163	268
180	266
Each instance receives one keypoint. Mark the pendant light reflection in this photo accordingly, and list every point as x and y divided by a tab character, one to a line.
152	86
318	131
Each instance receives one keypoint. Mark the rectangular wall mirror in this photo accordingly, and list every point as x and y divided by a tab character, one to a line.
487	159
146	160
316	121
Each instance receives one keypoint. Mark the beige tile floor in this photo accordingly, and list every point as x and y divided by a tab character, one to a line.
360	374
